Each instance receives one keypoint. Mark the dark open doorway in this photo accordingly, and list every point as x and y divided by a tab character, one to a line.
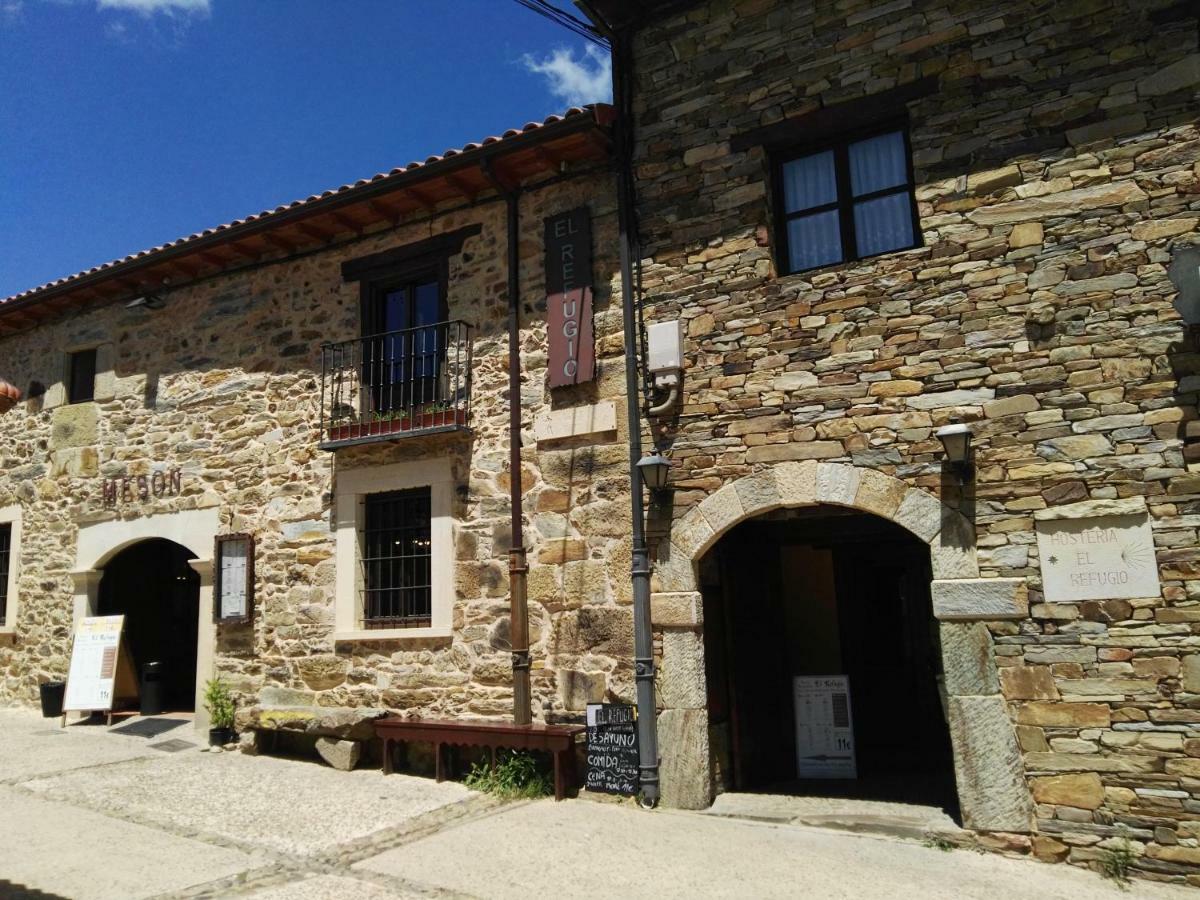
153	586
825	592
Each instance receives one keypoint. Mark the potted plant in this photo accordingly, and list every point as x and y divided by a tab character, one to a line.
219	703
434	415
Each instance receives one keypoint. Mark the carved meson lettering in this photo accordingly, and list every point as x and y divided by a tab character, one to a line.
128	488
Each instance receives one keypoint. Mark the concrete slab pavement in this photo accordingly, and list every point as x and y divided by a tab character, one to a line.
581	849
70	852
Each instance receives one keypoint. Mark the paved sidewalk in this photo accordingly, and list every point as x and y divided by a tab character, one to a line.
89	813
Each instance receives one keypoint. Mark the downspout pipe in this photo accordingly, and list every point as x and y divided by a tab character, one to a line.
518	567
643	638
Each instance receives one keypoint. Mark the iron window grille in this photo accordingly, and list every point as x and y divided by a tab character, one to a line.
845	200
396	560
5	556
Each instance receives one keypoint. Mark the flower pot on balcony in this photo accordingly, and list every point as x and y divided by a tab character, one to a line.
441	418
373	428
9	395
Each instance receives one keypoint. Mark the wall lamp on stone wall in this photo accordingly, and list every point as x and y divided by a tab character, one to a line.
956	441
146	301
655	470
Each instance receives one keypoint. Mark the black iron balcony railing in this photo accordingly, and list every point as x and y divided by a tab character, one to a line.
399	383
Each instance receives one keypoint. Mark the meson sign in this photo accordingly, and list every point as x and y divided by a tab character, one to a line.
569	297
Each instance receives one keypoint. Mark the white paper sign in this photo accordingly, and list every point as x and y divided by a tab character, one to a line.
234	559
95	656
1097	558
824	727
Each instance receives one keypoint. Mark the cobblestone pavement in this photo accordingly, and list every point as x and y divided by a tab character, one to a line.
90	813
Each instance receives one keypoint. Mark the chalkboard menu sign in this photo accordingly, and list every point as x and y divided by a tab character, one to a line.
612	748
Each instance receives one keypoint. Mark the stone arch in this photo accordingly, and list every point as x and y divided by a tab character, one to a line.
950	535
988	765
195	529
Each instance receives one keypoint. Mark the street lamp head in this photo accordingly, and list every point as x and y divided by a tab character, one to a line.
655	471
956	441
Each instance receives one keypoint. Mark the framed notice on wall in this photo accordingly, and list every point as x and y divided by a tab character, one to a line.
233	579
824	727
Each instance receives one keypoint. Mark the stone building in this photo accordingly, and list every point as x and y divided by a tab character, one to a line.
876	220
881	226
235	382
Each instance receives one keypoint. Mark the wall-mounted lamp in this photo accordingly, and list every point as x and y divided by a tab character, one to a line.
655	471
956	441
146	301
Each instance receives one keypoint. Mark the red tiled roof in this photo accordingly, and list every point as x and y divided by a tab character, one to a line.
601	114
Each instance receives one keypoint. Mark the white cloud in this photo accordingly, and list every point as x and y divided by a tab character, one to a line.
587	79
149	7
10	10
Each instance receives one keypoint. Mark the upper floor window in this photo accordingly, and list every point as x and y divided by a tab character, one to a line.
5	556
404	323
81	376
847	200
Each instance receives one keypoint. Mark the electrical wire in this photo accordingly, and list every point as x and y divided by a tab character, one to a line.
564	19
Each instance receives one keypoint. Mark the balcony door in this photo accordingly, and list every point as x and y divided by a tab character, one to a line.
404	350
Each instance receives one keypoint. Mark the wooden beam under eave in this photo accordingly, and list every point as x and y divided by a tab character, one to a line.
347	222
255	255
316	234
598	141
553	160
276	241
460	184
385	211
426	202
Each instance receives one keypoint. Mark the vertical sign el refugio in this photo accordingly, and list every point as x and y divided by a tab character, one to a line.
569	297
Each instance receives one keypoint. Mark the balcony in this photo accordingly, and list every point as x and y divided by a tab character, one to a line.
396	385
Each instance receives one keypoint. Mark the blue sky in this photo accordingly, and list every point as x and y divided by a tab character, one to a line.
128	123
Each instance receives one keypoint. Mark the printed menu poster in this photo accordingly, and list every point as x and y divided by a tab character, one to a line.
94	658
824	727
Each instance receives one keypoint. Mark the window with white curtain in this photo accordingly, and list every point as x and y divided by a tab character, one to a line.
846	201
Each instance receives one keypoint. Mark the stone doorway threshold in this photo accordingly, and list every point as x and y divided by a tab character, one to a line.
903	820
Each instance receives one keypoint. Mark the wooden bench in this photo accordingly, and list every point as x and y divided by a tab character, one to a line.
558	740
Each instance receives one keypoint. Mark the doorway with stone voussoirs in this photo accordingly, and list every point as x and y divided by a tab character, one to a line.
822	661
152	585
806	566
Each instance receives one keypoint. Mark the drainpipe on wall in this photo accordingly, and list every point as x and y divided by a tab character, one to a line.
643	639
517	564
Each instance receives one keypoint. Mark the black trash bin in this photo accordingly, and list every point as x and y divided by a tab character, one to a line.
52	698
152	688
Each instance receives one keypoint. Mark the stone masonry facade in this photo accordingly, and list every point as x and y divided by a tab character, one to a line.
223	385
1057	167
1057	170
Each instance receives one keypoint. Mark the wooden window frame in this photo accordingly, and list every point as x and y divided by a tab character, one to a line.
846	201
7	552
74	395
218	544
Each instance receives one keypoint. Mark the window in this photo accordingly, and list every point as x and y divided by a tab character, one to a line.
404	347
395	551
844	201
397	559
81	382
5	556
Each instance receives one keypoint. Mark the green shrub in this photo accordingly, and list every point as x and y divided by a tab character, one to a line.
516	776
219	703
1115	862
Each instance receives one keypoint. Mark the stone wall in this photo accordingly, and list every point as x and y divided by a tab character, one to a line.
1057	166
223	385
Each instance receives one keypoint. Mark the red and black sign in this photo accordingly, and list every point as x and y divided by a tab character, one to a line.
569	297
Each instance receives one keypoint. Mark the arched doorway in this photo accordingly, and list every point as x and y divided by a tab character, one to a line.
158	592
798	605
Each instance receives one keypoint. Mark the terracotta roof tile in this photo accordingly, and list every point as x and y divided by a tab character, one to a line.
600	110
